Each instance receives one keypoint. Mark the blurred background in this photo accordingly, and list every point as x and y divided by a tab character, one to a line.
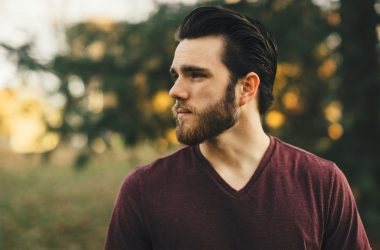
84	100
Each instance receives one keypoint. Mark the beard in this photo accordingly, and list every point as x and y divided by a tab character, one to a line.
210	122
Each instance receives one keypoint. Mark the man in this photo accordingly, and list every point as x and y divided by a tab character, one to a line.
233	187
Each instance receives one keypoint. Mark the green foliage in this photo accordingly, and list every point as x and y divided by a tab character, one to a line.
128	62
358	149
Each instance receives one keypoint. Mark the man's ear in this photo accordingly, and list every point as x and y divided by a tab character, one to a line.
249	88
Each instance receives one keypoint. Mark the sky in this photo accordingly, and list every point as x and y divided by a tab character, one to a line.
43	21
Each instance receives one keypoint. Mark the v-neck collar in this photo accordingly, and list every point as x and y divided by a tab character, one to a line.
206	165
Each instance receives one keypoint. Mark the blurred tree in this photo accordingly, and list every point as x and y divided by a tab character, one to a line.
359	91
123	70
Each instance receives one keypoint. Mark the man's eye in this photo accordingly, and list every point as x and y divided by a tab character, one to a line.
197	75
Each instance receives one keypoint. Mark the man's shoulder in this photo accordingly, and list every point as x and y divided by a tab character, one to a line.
169	161
163	167
302	159
306	168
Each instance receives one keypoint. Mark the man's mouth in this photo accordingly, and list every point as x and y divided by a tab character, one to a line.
183	111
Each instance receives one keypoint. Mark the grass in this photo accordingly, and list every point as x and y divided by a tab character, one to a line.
57	207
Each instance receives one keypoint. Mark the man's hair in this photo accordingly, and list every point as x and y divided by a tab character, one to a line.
248	45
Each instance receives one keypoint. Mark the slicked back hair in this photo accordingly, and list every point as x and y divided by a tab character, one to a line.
248	45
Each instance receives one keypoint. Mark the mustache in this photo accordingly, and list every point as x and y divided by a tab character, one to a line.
183	106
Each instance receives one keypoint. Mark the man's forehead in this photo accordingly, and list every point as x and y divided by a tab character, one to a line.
203	52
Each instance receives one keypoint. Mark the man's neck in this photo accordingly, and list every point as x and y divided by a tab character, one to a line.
236	153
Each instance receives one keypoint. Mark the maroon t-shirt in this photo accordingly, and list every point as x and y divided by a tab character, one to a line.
294	200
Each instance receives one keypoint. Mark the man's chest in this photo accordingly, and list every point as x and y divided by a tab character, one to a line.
212	219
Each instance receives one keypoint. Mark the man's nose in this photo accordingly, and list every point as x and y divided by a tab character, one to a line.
179	90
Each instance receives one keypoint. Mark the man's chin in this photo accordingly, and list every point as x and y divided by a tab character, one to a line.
186	125
187	137
186	119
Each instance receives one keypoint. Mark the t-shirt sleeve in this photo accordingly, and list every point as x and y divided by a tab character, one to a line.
126	229
344	229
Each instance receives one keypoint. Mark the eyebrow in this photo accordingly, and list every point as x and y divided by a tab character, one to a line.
190	69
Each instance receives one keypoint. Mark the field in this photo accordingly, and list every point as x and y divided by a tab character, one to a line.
58	206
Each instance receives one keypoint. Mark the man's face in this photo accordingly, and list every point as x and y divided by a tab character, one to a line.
205	96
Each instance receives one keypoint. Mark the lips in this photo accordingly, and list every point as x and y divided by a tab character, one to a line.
183	111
